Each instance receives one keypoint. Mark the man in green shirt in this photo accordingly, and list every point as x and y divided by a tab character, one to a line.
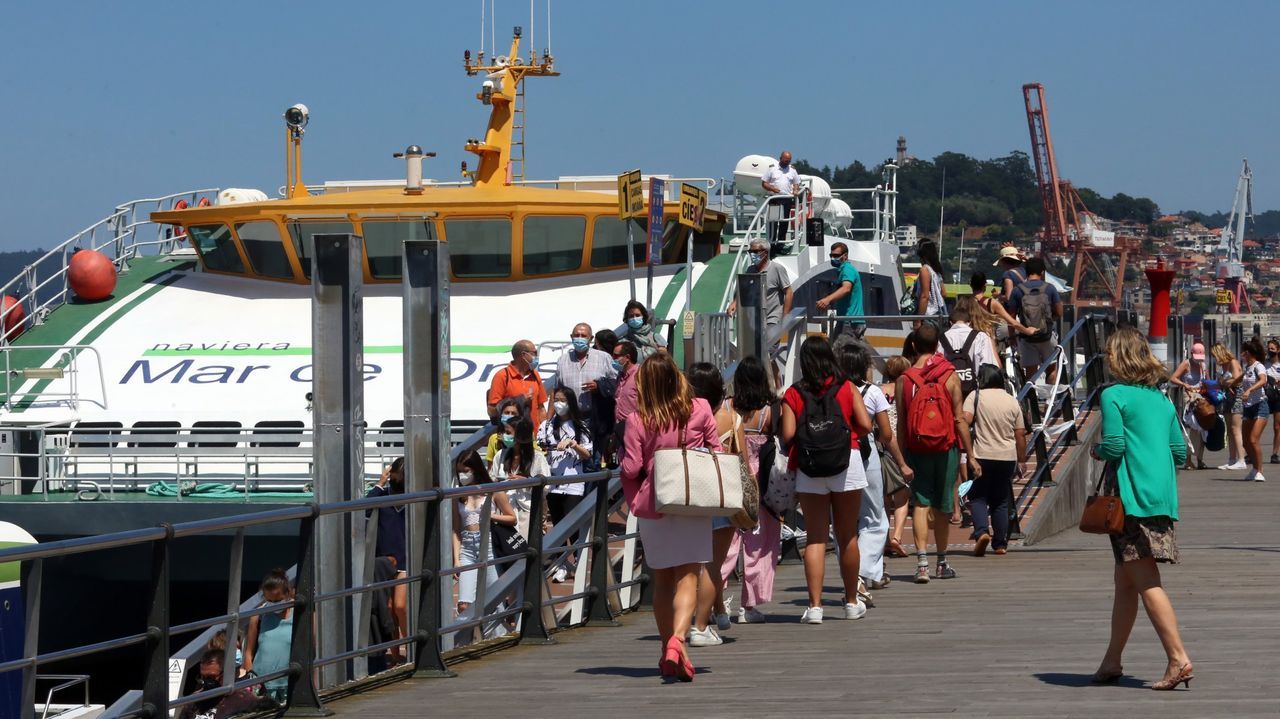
847	297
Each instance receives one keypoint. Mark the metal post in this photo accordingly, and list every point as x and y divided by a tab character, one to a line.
598	613
32	578
631	259
688	271
235	573
1209	337
533	629
1237	337
1041	444
751	327
426	440
155	685
304	697
337	330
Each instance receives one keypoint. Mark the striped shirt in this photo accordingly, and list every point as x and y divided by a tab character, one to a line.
572	371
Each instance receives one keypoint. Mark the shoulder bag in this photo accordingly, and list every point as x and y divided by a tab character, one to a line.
696	482
748	517
1103	513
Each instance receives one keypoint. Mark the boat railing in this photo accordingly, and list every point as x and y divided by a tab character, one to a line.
180	462
758	229
63	365
521	606
121	236
604	183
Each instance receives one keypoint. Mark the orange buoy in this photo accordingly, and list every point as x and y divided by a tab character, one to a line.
13	319
92	276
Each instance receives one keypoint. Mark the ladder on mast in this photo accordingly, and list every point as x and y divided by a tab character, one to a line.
517	155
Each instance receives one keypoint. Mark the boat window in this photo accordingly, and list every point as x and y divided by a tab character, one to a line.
384	244
609	242
304	230
553	244
261	241
216	247
479	248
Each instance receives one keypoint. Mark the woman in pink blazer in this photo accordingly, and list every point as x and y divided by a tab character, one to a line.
667	415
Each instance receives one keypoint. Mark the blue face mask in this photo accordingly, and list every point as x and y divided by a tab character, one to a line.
635	323
754	258
239	657
533	364
617	366
580	344
836	263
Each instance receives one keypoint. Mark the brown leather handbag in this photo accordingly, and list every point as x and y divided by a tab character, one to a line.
1103	512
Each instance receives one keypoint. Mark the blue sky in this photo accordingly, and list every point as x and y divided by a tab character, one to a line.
105	102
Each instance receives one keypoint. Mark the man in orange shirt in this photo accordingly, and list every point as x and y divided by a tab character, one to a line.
519	379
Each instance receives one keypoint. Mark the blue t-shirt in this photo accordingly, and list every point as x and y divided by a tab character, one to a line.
391	539
1015	300
1016	275
850	304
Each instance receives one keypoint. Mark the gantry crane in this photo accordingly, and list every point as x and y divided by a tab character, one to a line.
1069	227
1230	268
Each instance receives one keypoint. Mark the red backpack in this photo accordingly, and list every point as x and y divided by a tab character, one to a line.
931	422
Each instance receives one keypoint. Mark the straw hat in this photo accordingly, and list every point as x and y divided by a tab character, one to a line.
1009	253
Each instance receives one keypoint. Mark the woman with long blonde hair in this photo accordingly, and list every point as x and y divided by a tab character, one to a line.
668	415
1140	433
1230	375
979	318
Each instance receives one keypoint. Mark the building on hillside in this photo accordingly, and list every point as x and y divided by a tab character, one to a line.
905	236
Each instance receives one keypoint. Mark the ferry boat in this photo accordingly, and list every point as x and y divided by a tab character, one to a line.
186	392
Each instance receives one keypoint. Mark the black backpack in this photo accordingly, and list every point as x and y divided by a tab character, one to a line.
962	361
823	436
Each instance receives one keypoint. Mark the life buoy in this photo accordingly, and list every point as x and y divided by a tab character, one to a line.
204	202
177	233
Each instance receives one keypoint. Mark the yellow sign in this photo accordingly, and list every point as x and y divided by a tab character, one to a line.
630	195
687	324
1223	297
693	202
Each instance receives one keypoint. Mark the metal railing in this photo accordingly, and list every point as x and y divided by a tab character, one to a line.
43	285
428	625
62	365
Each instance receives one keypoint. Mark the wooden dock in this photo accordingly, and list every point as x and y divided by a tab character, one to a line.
1012	636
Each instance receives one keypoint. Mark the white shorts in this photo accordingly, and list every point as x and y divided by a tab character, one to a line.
854	478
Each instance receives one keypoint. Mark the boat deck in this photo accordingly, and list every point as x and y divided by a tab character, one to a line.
1017	635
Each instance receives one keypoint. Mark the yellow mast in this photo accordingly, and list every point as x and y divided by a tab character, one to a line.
501	86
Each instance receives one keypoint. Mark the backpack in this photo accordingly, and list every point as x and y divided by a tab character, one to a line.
823	435
1035	311
962	361
930	417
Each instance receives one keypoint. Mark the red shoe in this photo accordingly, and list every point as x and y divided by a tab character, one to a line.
675	662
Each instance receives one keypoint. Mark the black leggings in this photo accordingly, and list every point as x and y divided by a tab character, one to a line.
559	506
990	494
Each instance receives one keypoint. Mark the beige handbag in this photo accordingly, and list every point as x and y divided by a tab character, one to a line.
747	518
696	482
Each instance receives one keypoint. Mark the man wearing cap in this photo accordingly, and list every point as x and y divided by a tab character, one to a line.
1012	273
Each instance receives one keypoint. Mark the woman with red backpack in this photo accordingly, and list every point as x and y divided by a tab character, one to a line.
821	424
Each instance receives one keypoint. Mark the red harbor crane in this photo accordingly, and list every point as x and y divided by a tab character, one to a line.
1069	227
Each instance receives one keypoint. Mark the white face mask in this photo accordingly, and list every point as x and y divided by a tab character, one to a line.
465	478
562	408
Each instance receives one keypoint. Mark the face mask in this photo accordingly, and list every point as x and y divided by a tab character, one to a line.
754	257
509	418
239	657
635	323
562	408
533	364
837	262
580	344
207	683
617	366
508	439
465	478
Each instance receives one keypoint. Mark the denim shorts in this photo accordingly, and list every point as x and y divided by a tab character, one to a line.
1256	411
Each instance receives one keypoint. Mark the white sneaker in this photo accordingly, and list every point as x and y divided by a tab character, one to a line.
855	611
1252	473
812	615
559	575
750	616
1239	464
1259	478
704	637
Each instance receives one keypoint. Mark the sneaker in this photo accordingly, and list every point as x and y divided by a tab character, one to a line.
559	575
1239	464
704	637
855	611
812	615
980	549
1259	478
750	615
922	574
722	621
1275	459
944	571
1252	473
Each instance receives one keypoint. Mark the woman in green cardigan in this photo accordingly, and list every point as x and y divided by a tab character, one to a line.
1140	433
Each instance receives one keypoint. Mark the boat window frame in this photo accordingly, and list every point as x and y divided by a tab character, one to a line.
298	246
641	242
282	237
432	222
514	271
582	249
235	243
